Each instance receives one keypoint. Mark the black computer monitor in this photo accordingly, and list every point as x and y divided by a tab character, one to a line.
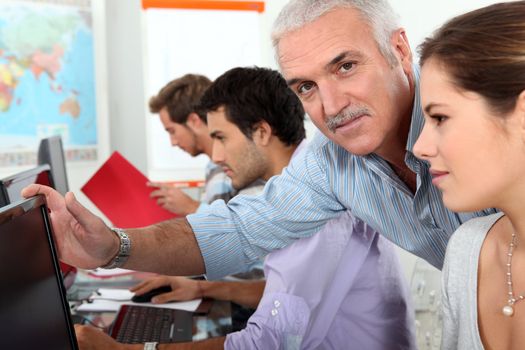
11	186
50	151
34	311
10	192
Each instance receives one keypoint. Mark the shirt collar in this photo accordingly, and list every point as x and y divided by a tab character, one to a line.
417	121
299	148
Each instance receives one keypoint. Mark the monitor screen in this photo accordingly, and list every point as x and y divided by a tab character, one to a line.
34	312
11	186
50	151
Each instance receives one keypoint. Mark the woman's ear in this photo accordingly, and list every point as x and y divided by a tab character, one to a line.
520	110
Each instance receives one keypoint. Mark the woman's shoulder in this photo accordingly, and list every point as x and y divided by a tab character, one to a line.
480	224
471	234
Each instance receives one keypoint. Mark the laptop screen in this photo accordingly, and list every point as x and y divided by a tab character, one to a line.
34	312
11	186
50	151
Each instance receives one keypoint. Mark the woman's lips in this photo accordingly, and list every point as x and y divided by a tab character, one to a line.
438	176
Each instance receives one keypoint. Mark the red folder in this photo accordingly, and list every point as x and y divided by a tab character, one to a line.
119	190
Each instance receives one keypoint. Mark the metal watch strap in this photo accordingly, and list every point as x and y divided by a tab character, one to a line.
150	346
124	249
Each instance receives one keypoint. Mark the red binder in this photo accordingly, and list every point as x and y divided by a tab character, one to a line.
119	190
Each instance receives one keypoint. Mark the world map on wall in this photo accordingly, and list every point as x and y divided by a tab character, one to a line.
47	82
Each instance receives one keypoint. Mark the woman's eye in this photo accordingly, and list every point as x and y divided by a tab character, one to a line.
438	118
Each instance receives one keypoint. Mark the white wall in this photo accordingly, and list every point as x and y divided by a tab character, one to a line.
224	40
421	18
126	80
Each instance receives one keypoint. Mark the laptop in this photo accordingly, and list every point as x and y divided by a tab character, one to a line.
139	324
10	188
34	310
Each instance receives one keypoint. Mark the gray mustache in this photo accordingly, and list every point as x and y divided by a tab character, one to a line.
347	114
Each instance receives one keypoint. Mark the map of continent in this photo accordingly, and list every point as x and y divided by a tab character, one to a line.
47	84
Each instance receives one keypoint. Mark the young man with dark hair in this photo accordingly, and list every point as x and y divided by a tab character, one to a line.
176	105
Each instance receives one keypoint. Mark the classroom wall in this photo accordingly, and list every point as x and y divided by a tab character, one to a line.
126	64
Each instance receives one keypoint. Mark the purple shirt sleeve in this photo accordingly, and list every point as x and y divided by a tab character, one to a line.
281	319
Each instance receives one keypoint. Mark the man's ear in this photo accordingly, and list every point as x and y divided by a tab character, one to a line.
194	121
402	49
262	134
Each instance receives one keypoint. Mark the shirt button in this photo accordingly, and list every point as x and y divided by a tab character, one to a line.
274	312
277	303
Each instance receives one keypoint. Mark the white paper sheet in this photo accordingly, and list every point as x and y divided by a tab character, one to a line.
109	272
108	299
114	294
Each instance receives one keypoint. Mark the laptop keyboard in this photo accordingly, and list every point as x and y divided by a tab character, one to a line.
145	324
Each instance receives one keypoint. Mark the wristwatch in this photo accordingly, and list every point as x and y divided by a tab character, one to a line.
124	249
151	345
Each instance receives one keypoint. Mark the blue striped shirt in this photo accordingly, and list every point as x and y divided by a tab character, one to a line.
217	185
318	186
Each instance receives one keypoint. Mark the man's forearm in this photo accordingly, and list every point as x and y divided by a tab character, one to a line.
208	344
169	248
244	293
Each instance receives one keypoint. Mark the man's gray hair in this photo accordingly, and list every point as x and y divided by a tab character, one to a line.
378	13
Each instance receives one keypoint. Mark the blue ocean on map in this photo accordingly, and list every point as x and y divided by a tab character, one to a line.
47	83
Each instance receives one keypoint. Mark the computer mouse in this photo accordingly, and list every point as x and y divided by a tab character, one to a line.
146	297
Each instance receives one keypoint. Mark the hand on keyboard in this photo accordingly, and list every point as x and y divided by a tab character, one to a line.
182	289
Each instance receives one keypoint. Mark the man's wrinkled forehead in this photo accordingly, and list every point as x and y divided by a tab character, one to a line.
303	63
331	35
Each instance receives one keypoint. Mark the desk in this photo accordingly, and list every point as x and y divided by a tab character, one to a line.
216	323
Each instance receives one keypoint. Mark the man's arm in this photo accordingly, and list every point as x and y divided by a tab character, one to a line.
85	241
223	239
208	344
168	248
91	338
246	293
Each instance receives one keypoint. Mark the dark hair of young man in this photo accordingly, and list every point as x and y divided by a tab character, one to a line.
252	95
180	97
